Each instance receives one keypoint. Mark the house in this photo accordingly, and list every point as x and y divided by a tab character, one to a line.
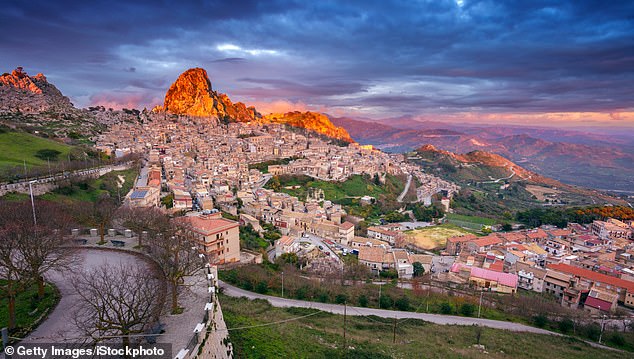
556	283
455	244
600	302
346	233
368	242
483	244
373	257
382	234
587	278
286	244
492	280
218	238
144	197
182	199
530	277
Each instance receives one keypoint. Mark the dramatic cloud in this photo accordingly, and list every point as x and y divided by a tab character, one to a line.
475	60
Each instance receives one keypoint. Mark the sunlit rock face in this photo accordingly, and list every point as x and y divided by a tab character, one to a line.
193	95
314	121
20	92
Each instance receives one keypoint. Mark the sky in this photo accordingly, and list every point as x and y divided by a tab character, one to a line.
560	63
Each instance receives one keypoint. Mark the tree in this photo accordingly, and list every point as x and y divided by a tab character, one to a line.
43	247
363	300
12	269
402	303
151	220
467	309
117	301
172	250
419	270
98	214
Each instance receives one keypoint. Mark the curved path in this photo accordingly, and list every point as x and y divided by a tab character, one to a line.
402	195
60	322
338	309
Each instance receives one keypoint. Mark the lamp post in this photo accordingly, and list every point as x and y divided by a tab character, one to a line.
480	306
602	325
282	284
32	202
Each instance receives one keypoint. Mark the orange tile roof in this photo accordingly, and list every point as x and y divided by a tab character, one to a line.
593	276
371	254
487	241
539	233
346	225
207	226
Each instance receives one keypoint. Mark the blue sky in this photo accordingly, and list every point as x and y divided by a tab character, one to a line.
515	61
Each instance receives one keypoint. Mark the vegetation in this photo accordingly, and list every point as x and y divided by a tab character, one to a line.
433	237
16	148
90	190
561	217
28	307
302	333
264	166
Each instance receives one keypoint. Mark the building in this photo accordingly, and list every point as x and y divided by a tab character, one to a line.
493	280
455	244
286	244
382	234
218	238
144	197
556	283
346	233
611	229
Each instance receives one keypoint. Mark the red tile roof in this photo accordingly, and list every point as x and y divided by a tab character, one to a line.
593	276
598	304
488	241
207	226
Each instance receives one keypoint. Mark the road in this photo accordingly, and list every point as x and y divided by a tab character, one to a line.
360	311
319	242
402	195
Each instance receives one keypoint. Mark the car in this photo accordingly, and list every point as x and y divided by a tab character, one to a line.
321	247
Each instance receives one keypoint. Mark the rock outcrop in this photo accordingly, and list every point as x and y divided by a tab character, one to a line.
20	92
193	95
314	121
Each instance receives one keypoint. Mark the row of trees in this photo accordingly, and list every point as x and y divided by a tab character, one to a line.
535	217
116	301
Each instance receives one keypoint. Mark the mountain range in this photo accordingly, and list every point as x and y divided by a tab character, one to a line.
583	159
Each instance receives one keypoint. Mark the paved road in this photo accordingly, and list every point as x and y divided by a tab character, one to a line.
338	309
402	195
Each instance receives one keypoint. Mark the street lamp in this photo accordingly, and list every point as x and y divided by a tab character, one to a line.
602	326
282	284
32	201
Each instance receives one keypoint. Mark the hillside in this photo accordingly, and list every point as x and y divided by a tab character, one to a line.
192	95
493	184
18	149
571	157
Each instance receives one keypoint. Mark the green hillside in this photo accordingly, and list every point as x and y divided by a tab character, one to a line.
18	147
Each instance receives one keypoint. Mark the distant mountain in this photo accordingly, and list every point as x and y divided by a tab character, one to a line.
32	104
593	163
22	93
192	94
501	181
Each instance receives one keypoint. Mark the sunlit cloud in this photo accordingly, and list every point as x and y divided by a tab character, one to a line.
235	49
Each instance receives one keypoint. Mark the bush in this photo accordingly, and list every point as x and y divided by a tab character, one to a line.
467	309
402	303
617	339
446	308
540	320
323	297
301	293
341	298
385	302
390	273
565	325
262	287
363	300
47	154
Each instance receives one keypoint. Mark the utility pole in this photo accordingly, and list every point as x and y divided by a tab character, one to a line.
394	331
602	326
345	310
282	284
480	306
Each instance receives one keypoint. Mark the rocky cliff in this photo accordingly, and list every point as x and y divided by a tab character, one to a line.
314	121
193	95
20	92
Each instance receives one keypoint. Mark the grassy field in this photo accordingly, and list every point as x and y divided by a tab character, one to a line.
91	190
27	308
261	331
17	147
434	237
470	222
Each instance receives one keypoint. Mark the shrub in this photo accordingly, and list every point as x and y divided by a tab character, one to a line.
47	154
301	293
262	287
565	325
363	300
402	303
341	298
385	302
446	308
467	309
617	339
540	320
323	297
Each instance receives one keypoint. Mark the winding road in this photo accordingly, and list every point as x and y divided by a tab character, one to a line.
402	195
361	311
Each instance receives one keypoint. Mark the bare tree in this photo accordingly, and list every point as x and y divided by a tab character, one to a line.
175	253
99	214
43	247
151	220
12	269
117	301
